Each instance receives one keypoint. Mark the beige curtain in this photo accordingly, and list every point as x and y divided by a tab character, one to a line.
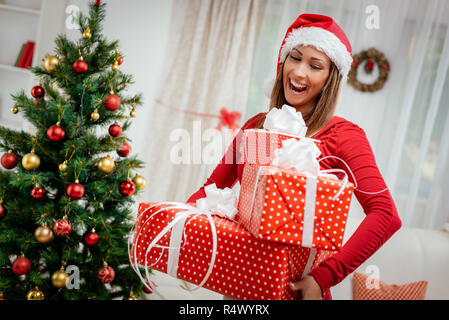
207	67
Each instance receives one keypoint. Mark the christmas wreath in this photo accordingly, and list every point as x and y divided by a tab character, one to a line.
372	56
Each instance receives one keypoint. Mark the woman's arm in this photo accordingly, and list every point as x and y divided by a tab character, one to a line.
225	174
381	220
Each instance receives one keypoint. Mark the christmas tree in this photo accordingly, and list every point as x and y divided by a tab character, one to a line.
67	191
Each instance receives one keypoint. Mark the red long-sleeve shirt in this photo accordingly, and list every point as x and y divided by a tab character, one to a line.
346	140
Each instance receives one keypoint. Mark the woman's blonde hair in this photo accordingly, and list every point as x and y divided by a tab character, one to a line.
324	108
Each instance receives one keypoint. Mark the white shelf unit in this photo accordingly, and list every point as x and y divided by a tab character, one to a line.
20	21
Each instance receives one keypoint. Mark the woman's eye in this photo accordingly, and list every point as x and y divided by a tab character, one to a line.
316	67
295	58
312	65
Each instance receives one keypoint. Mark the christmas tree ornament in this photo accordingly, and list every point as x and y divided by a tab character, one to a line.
91	238
115	66
112	102
14	109
62	227
124	150
139	181
3	210
37	92
21	265
106	274
127	188
43	234
80	66
37	192
59	278
133	113
35	294
63	166
56	132
51	62
119	60
75	190
9	160
131	296
115	130
98	2
106	164
95	115
31	161
87	33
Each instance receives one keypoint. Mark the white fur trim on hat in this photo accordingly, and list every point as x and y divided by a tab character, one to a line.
322	40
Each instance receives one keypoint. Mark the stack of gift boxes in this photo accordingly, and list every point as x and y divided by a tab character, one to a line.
288	218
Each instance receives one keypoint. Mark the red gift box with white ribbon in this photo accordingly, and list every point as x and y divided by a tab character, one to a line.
289	207
260	145
216	253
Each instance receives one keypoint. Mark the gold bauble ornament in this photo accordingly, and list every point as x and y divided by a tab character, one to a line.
106	164
35	294
63	166
50	63
87	34
133	113
31	161
139	181
59	278
14	109
95	115
131	297
43	234
115	66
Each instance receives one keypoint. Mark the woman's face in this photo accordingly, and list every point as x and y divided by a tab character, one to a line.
306	70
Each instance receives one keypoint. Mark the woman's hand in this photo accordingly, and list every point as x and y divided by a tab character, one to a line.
308	287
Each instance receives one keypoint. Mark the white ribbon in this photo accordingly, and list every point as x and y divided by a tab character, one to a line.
286	120
222	202
177	228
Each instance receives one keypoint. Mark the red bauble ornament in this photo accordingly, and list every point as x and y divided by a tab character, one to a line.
115	130
21	266
3	211
37	192
127	188
91	238
62	227
106	274
75	190
98	2
9	160
80	66
124	150
119	60
112	102
56	133
37	92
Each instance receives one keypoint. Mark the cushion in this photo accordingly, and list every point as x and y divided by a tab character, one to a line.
366	288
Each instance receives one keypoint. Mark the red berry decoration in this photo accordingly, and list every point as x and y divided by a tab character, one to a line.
3	211
75	190
106	274
115	130
21	266
119	60
127	188
124	150
37	92
62	227
9	160
37	192
56	133
80	66
112	102
91	238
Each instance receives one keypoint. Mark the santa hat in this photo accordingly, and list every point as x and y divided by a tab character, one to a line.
322	33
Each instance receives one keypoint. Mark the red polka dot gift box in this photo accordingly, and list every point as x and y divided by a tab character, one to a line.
260	145
216	253
285	206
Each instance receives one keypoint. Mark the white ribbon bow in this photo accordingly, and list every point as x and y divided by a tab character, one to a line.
221	202
285	120
300	155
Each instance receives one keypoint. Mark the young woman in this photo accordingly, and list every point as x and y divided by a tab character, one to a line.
314	60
